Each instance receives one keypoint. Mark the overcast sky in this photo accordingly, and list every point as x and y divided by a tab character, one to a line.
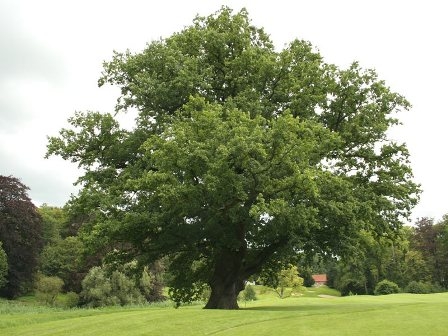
51	55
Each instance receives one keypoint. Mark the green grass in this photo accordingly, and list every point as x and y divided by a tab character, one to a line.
400	314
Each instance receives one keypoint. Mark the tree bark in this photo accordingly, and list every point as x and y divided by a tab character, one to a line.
227	281
225	295
232	269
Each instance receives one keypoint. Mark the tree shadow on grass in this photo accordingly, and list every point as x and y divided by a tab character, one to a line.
287	308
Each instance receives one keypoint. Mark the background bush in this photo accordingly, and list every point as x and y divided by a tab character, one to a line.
125	289
352	287
71	300
249	294
48	288
386	287
100	289
419	287
423	287
97	289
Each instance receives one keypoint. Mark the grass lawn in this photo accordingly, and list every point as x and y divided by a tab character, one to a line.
399	314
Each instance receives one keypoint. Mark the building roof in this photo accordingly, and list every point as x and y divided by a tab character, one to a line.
320	277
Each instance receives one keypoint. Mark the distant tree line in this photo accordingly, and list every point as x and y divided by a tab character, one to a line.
416	259
44	248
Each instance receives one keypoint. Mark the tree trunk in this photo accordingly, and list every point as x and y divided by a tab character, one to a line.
224	295
227	281
232	268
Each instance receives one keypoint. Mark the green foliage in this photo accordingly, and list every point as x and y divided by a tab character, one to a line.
386	287
414	255
416	268
3	266
289	277
285	278
48	288
307	276
430	240
249	294
351	287
205	293
63	258
151	282
239	154
377	258
53	220
125	289
415	287
71	300
100	289
97	289
20	235
146	283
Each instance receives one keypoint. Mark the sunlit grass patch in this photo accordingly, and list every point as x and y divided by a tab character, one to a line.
400	314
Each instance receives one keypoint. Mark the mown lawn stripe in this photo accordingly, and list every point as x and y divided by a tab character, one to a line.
398	315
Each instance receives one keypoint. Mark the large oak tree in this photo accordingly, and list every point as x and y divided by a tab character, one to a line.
240	155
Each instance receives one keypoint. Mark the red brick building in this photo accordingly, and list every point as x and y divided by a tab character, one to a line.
319	279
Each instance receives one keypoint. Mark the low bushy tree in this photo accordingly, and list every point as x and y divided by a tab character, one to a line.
101	289
145	283
63	258
71	300
285	278
48	288
308	280
125	289
249	293
97	289
418	287
386	287
53	221
351	287
151	284
156	271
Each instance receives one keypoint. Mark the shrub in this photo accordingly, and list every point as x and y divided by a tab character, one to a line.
48	288
419	287
145	283
125	289
249	293
151	283
308	280
287	278
71	300
62	258
436	288
98	289
386	287
352	287
205	293
263	289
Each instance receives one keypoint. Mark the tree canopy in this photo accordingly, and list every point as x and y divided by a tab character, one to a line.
240	155
20	234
